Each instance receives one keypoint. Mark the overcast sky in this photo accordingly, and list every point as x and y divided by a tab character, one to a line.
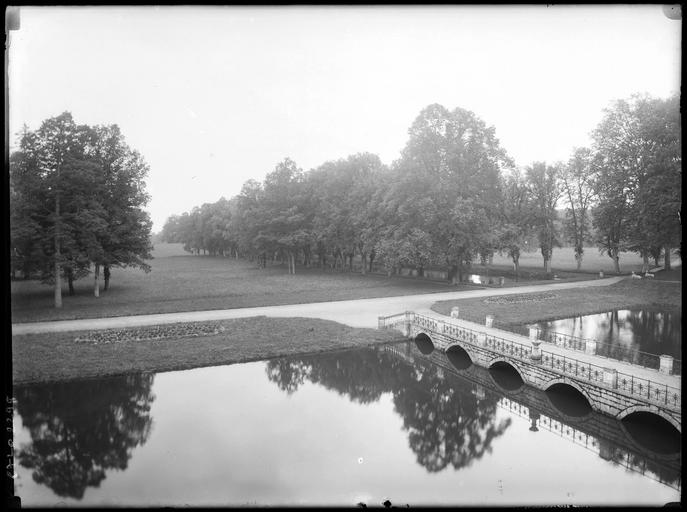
215	96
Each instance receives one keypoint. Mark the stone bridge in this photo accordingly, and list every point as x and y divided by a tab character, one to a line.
596	432
615	388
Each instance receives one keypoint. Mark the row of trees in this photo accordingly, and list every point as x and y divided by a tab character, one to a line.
455	195
77	195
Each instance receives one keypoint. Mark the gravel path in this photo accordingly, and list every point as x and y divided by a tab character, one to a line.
355	313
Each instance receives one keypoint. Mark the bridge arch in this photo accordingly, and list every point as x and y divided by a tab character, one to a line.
466	347
569	406
424	343
459	357
510	363
507	383
652	409
571	383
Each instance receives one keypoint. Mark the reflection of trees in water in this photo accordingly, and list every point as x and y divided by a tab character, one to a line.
657	332
446	423
362	375
664	473
80	429
624	334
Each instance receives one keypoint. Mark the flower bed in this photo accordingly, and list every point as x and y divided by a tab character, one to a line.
517	299
154	332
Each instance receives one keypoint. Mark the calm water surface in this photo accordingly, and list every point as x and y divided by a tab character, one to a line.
335	429
630	329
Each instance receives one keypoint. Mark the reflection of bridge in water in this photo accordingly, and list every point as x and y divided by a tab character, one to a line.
596	432
616	388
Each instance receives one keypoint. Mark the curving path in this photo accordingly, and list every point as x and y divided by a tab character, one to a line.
355	313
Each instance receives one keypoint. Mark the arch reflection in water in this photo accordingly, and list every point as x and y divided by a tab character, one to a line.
459	358
505	376
424	343
447	424
568	400
652	432
81	429
599	433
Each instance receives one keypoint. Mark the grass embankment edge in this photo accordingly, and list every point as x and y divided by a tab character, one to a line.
52	357
557	304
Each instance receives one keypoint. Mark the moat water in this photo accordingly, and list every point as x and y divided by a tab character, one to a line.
633	330
401	422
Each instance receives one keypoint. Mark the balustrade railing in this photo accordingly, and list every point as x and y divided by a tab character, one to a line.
651	391
573	367
616	352
608	351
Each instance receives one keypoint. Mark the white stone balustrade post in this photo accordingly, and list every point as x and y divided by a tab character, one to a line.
666	364
590	347
482	339
536	351
489	321
380	322
454	311
611	377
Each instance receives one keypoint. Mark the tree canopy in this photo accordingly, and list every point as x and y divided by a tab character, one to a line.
77	195
455	195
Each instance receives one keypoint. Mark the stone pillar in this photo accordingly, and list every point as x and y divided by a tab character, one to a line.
489	321
482	339
590	347
536	352
454	311
501	281
601	274
407	328
611	377
666	365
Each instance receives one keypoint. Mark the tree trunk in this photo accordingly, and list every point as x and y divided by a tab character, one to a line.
96	284
363	256
70	280
547	265
372	258
516	264
58	255
106	276
666	258
616	262
578	257
645	262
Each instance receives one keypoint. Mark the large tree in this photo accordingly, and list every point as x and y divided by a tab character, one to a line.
577	181
544	191
515	225
77	197
448	183
638	161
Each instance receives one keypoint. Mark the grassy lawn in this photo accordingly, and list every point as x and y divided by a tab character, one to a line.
56	357
529	308
181	282
563	259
